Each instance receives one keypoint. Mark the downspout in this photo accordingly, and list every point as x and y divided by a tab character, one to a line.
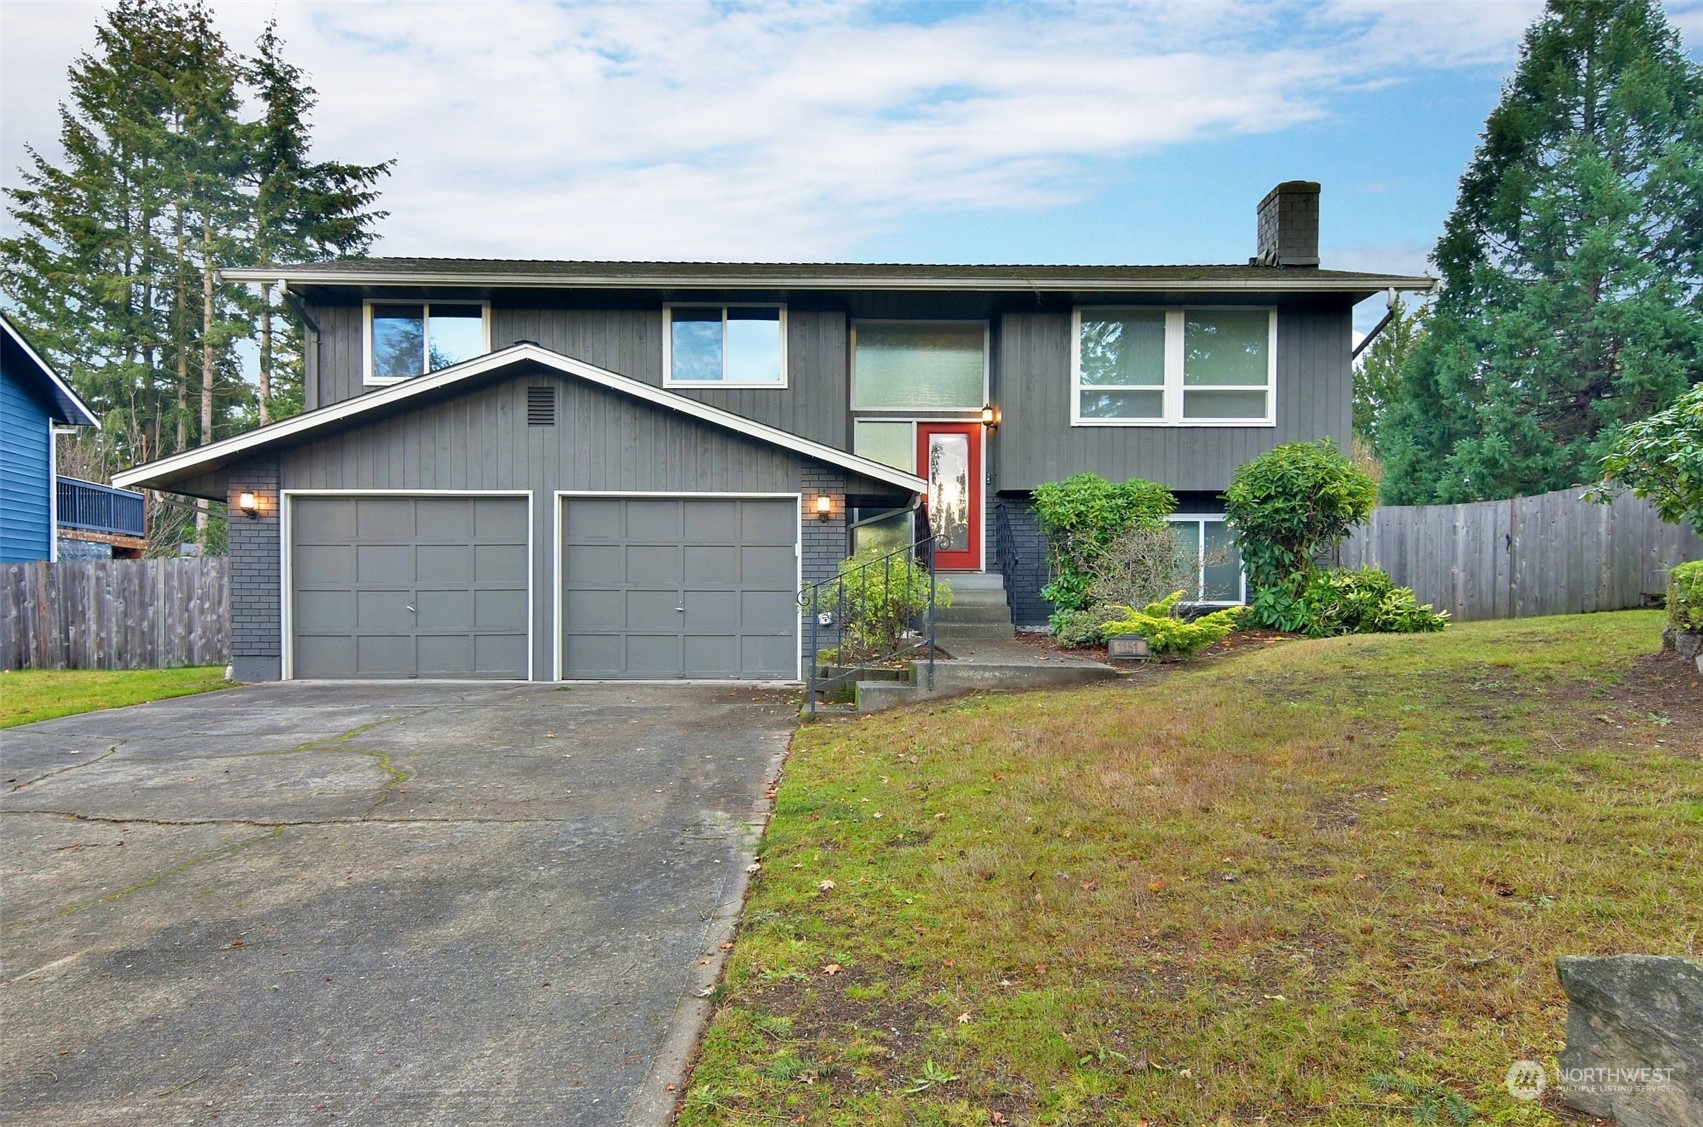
1394	303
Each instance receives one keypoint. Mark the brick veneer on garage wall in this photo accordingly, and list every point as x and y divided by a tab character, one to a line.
256	649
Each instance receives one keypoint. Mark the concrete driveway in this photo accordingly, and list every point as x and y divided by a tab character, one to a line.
396	903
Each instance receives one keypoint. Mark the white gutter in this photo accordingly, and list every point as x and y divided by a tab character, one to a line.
202	457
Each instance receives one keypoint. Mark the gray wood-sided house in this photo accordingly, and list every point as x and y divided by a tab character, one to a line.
559	470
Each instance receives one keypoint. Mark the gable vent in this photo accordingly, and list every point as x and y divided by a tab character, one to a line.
541	406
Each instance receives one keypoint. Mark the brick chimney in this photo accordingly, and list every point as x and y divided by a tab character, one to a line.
1289	225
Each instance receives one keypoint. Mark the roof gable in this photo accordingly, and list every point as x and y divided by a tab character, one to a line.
190	463
25	365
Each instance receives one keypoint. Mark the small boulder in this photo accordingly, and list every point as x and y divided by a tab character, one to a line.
1634	1039
1689	643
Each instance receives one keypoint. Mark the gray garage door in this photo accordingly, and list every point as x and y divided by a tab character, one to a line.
698	587
409	586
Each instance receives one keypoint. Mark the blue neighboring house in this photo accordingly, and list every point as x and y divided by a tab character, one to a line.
33	401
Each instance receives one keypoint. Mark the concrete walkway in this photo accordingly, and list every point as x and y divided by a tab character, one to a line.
397	903
984	665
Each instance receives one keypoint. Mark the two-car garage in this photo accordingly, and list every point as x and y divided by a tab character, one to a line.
525	515
383	585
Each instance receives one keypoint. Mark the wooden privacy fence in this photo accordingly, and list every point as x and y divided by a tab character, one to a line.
1557	553
114	614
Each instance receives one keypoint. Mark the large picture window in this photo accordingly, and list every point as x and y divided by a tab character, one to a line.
411	338
919	365
724	345
1174	367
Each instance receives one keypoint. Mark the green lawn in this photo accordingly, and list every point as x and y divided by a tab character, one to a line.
1315	882
28	695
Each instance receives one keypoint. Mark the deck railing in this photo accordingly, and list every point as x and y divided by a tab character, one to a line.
877	614
92	507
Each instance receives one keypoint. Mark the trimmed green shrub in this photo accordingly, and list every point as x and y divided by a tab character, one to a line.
1168	634
1685	597
1074	629
1289	506
1081	517
1364	601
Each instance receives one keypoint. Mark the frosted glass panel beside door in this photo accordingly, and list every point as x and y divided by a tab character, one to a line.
891	444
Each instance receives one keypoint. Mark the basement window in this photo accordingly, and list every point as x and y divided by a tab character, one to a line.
412	338
1210	543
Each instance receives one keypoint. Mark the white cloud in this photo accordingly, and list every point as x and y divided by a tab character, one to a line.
776	131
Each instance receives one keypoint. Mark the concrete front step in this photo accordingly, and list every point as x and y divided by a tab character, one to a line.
972	612
978	598
956	678
948	632
974	580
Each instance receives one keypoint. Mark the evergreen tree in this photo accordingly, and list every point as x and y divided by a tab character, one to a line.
1377	380
304	211
115	266
1572	266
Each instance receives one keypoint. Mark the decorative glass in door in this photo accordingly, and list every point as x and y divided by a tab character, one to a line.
949	455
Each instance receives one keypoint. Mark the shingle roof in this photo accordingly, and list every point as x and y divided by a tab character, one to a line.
818	275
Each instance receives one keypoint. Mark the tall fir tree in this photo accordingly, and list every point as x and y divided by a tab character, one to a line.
1377	380
115	265
1571	265
304	211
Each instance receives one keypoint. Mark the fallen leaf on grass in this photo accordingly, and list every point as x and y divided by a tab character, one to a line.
1155	886
1090	885
963	1019
832	969
827	886
725	945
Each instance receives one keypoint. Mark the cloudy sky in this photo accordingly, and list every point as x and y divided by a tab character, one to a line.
934	132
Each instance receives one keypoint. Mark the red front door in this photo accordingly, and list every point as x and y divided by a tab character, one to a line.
949	458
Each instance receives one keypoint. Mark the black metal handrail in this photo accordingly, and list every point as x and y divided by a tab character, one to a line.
1005	546
840	617
93	507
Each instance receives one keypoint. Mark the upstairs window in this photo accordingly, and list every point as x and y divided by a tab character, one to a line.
1174	367
724	345
919	365
407	339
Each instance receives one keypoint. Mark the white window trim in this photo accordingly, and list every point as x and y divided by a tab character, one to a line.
367	376
668	379
876	413
1200	521
1172	388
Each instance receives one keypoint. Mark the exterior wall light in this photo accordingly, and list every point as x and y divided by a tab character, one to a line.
990	416
247	503
824	506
